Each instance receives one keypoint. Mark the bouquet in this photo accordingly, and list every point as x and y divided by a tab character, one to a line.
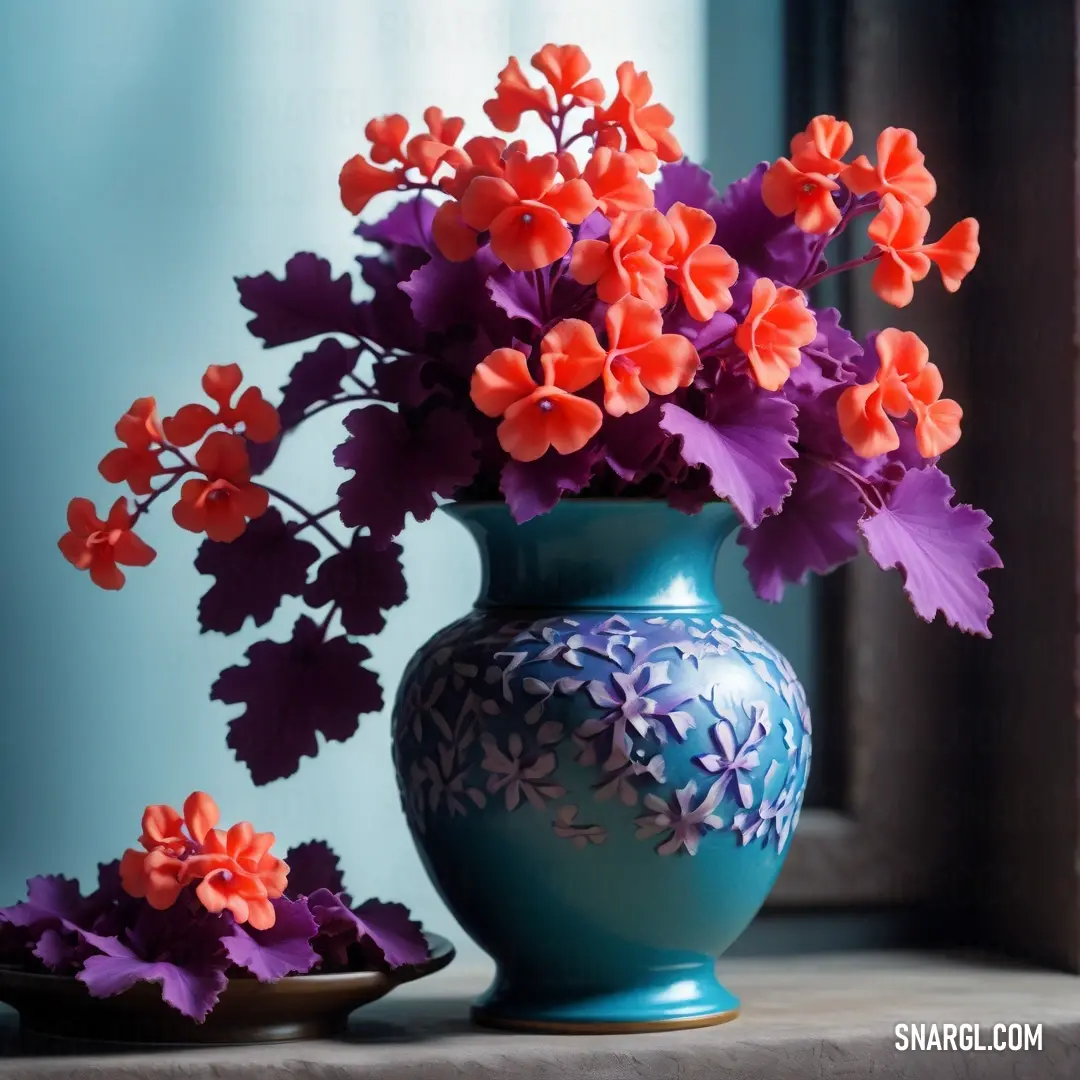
195	906
589	318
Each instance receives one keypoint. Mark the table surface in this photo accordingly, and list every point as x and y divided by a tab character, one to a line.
831	1015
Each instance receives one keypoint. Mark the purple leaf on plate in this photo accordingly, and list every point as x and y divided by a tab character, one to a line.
743	443
339	929
398	936
314	866
316	378
306	302
293	691
816	530
532	488
401	467
266	563
50	901
941	549
179	949
364	581
284	949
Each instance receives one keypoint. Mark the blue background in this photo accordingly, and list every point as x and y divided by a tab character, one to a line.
152	151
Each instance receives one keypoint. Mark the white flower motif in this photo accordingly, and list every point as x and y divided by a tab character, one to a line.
520	774
685	822
578	835
774	817
735	761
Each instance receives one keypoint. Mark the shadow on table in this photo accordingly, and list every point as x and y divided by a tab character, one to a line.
409	1020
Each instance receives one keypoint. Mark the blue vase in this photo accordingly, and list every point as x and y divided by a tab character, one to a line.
601	770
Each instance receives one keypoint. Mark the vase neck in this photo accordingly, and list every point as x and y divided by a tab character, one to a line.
629	554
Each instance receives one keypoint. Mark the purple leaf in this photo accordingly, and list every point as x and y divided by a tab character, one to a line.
444	295
532	488
399	937
262	455
315	378
50	901
816	530
180	949
594	227
293	691
387	318
687	183
401	467
634	443
307	301
284	949
54	950
939	548
407	225
516	294
338	927
266	563
363	581
314	866
743	443
763	244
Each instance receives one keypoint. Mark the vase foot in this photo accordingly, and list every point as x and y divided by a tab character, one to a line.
694	999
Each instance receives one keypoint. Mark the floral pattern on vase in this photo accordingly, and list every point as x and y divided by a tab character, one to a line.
494	727
603	792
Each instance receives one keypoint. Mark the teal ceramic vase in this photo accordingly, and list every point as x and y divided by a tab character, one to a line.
601	770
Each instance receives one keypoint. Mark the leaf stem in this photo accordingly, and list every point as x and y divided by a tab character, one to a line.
309	518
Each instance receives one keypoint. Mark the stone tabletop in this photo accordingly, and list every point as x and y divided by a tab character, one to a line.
808	1016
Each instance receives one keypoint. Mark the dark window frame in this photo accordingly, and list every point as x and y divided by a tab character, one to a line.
961	767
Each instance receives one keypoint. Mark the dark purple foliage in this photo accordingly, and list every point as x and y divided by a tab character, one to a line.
254	573
293	691
363	581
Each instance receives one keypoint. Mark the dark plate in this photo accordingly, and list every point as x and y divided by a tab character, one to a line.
297	1007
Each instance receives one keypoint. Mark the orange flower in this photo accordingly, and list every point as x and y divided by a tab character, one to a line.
704	271
822	146
565	68
646	127
138	461
899	172
776	327
642	359
525	210
808	195
480	156
220	503
905	381
238	874
98	546
386	134
956	253
220	382
155	872
514	96
427	151
359	182
537	417
630	262
614	178
899	230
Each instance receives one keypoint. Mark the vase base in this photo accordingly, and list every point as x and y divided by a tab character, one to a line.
687	997
483	1018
